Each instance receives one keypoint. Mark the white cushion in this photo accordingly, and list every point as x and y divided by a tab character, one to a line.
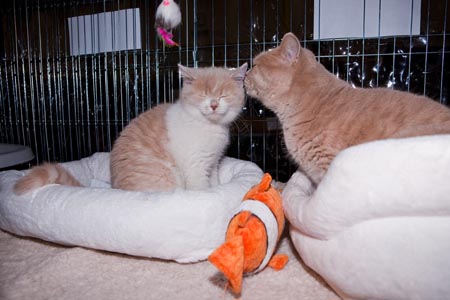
185	226
378	225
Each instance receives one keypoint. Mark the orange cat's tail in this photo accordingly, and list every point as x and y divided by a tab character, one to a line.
42	175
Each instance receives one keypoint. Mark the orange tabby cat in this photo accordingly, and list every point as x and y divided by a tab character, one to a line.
171	145
322	115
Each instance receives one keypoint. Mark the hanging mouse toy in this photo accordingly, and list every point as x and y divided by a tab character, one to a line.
168	16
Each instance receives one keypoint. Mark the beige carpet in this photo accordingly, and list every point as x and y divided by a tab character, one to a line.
32	269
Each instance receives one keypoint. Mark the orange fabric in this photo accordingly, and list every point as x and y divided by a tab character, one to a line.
229	259
278	261
254	237
246	239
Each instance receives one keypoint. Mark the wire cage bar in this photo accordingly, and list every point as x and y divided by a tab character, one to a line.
67	105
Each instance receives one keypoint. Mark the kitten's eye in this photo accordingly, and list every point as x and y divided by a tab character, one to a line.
222	97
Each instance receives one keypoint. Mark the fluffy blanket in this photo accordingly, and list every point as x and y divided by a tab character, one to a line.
33	269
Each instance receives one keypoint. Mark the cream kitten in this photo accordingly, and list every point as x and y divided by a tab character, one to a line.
322	115
171	145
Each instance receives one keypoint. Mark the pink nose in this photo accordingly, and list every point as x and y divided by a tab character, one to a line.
214	104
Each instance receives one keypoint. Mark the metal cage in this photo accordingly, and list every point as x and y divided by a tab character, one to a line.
67	104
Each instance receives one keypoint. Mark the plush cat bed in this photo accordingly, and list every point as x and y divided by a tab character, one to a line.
378	225
185	226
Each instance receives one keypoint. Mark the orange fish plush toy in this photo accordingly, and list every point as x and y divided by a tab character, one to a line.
252	235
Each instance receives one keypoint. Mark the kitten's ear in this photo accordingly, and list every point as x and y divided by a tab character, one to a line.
290	47
188	74
239	73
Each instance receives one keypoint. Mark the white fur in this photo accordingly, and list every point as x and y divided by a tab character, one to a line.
196	144
170	13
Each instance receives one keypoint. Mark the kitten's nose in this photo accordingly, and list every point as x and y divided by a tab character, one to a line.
214	104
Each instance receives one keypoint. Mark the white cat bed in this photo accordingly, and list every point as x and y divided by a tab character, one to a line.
185	226
378	225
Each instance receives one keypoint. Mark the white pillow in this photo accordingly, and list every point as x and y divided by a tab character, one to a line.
185	226
378	225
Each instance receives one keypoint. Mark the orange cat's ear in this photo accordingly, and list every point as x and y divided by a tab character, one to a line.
239	73
188	74
290	47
